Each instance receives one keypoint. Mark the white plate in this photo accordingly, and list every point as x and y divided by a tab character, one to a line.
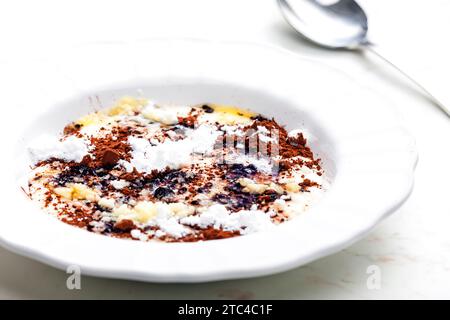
368	156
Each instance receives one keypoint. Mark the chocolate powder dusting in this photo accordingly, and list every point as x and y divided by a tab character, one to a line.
72	128
124	225
109	158
131	176
110	149
209	233
306	184
189	121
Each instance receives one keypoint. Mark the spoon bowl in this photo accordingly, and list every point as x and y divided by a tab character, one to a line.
337	25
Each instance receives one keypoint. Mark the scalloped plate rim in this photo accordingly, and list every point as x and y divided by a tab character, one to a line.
275	267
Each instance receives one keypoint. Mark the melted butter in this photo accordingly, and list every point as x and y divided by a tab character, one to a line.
127	105
77	191
226	114
96	118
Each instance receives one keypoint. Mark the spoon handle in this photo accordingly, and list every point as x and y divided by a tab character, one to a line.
440	96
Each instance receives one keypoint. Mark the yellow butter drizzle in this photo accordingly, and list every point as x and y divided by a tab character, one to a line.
227	114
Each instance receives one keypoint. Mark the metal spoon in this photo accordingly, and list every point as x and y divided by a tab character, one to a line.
342	24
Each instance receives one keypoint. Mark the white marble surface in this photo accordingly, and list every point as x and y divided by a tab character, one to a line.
411	248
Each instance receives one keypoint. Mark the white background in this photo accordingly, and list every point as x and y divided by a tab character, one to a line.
412	247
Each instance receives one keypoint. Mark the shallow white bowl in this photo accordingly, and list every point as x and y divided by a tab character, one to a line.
367	155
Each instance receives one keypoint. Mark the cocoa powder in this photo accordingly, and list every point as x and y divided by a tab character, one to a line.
124	225
108	150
